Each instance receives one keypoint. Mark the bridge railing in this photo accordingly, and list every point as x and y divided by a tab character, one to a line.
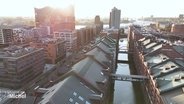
122	77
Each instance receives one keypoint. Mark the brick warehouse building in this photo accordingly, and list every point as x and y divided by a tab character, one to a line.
54	48
178	28
162	63
70	38
85	36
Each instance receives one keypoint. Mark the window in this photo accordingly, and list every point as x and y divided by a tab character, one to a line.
11	68
164	58
81	98
87	102
74	93
76	103
172	66
1	63
167	68
12	62
70	100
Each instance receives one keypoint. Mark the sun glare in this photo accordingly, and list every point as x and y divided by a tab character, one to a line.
61	3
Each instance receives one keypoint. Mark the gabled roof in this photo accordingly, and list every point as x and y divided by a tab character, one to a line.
178	99
91	70
153	48
79	84
148	45
100	55
108	38
154	60
171	81
109	41
71	89
164	68
179	49
105	47
166	50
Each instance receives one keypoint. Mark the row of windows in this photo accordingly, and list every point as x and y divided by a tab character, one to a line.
75	94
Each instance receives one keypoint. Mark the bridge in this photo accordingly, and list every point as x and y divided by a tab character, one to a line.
125	51
134	78
122	61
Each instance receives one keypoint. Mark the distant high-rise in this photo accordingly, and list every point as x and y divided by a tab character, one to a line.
97	19
98	23
6	35
114	21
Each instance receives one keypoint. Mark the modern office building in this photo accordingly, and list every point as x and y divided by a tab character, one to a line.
61	22
6	35
54	48
115	18
19	65
56	18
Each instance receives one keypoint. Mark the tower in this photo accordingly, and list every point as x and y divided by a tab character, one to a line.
114	21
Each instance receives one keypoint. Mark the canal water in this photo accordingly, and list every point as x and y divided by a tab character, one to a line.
126	92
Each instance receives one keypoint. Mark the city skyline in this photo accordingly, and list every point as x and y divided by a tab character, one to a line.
89	9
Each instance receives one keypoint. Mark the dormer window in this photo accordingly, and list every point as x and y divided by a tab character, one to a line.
182	76
164	58
167	68
74	93
172	66
87	102
81	98
101	73
70	100
177	79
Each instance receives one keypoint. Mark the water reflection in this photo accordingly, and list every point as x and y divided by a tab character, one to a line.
126	92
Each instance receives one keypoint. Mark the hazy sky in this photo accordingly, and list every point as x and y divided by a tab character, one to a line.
90	8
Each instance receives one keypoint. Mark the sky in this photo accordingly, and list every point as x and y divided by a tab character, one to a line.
91	8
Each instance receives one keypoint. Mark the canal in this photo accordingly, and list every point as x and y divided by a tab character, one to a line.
126	92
